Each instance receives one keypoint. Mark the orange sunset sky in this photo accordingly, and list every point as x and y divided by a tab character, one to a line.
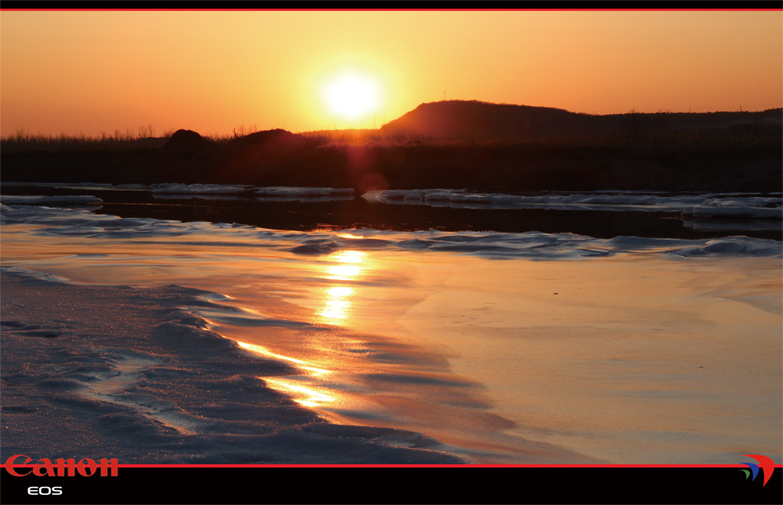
211	71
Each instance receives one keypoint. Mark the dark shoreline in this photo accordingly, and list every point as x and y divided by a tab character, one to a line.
450	144
482	167
668	153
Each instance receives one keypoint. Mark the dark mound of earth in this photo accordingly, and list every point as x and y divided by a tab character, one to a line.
186	141
271	140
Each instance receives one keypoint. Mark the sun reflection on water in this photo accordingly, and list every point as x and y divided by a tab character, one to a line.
307	396
341	270
349	256
303	395
337	300
337	304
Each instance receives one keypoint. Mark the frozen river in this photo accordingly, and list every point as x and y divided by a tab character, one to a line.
163	341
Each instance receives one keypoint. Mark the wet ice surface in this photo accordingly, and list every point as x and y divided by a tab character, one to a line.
181	191
272	193
161	341
42	200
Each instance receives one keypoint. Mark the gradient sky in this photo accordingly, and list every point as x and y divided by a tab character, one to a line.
212	71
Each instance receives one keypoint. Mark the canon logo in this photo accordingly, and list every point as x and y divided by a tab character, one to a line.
61	467
44	491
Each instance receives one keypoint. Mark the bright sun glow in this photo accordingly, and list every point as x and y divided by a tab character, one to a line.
351	95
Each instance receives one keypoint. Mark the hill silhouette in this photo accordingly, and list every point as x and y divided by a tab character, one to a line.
473	120
482	121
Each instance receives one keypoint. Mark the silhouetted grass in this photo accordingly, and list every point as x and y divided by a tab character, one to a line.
662	142
692	140
22	141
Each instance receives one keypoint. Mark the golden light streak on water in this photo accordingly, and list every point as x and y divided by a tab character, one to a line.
306	396
337	304
304	365
343	272
340	291
337	299
349	256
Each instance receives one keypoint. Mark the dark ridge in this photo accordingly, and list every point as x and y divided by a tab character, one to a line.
474	120
481	121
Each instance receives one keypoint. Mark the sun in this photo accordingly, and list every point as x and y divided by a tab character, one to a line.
351	95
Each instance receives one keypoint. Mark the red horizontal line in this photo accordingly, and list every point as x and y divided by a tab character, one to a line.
217	466
414	466
108	9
